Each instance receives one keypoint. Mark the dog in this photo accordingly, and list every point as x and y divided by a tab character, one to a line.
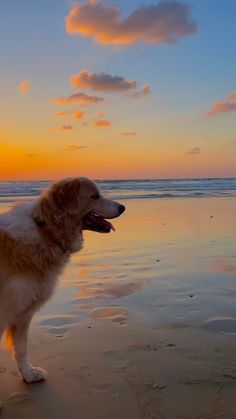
36	241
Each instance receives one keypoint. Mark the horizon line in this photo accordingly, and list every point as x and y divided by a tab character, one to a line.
122	179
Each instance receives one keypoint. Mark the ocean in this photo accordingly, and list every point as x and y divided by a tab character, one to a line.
11	191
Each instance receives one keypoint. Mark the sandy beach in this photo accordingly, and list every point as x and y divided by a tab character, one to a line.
108	371
142	325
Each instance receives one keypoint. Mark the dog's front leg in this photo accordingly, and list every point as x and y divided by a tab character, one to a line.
1	329
19	334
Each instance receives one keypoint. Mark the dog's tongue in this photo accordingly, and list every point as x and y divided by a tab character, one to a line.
106	223
111	226
100	221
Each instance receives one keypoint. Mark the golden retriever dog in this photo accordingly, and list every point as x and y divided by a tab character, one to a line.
36	241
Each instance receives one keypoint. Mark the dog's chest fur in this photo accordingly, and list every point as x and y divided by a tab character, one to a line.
24	291
23	294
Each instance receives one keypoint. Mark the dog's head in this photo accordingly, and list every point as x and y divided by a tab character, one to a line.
81	199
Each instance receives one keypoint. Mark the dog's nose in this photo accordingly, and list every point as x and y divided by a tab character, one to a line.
121	208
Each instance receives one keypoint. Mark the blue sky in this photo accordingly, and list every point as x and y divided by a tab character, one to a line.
186	79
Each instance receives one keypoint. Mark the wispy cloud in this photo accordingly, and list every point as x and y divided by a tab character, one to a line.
24	86
141	94
103	123
162	23
66	128
194	151
74	147
129	133
80	98
101	82
223	106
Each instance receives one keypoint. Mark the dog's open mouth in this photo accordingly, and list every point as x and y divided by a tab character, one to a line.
94	222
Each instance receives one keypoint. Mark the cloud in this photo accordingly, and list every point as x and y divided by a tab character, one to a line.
129	133
66	128
143	93
232	96
194	151
80	98
162	23
61	114
103	123
223	106
24	86
74	147
101	82
78	114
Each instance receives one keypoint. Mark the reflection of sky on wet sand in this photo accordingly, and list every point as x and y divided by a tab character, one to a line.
170	261
224	265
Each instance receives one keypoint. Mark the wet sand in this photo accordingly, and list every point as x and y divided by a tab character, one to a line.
143	323
105	370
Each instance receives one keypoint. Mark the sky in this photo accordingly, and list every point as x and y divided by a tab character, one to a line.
117	89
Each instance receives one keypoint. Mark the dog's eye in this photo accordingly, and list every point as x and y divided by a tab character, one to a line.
95	196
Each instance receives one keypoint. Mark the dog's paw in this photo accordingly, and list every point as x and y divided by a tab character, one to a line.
34	374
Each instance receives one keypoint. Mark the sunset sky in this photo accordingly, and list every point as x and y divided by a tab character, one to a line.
117	89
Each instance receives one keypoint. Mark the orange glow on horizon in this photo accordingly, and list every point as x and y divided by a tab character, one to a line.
105	162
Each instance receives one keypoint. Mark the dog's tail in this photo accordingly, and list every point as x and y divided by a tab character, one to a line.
8	338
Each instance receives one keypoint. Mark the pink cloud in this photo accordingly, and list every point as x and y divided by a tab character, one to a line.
223	106
24	86
231	96
66	128
194	151
61	114
80	98
103	123
143	93
129	133
74	147
162	23
101	82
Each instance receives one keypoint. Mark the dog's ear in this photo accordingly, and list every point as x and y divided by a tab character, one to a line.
40	212
65	195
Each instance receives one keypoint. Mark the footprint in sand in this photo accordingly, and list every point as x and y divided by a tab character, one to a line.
116	314
58	325
82	373
221	325
111	354
85	375
102	389
18	398
85	371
